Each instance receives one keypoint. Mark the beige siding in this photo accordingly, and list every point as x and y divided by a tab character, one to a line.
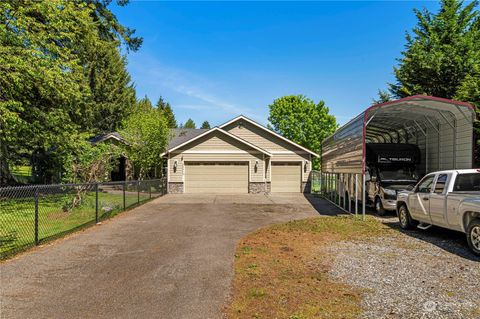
215	141
259	137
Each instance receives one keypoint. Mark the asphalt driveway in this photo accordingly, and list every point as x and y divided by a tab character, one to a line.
170	258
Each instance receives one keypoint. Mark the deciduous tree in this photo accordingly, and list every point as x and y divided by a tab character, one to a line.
303	121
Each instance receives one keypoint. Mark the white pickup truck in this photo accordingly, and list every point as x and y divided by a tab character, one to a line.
449	199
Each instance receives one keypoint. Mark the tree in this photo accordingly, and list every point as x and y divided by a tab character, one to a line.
165	108
147	135
112	91
303	121
442	56
61	75
143	105
205	125
189	124
440	53
470	91
383	97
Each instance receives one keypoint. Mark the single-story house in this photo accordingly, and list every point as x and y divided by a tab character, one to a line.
123	170
240	156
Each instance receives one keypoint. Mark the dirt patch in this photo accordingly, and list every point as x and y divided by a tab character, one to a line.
283	271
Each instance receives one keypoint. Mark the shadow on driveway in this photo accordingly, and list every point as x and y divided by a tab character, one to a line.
451	241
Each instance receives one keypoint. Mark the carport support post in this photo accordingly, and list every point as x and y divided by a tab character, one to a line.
36	215
350	194
363	195
356	194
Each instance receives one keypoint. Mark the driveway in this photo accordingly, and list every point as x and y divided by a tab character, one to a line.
170	258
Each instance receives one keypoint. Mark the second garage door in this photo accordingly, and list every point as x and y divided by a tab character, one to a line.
286	177
216	177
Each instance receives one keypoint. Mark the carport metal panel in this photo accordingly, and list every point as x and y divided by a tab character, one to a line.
442	128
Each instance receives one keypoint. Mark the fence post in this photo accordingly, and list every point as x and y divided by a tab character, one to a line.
36	215
150	191
124	186
96	202
138	192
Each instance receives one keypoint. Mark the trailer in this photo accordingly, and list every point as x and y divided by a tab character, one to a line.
441	128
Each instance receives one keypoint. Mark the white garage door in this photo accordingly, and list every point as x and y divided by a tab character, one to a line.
216	177
286	177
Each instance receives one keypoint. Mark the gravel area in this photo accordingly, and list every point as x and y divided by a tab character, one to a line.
415	274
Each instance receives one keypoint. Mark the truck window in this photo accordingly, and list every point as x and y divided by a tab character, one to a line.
441	182
467	182
425	186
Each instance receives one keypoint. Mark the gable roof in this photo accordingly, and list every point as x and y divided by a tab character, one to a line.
242	117
106	136
217	129
181	135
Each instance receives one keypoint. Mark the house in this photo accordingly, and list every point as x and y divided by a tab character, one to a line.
123	169
240	156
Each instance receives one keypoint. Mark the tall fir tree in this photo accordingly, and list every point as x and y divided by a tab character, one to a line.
205	125
166	110
189	124
442	57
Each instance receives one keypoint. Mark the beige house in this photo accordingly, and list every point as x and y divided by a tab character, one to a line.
240	156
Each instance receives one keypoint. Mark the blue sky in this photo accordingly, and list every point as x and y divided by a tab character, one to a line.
215	60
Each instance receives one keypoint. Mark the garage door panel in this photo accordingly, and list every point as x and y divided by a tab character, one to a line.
286	177
222	178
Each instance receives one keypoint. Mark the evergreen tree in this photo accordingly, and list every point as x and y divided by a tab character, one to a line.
62	78
442	56
189	124
165	108
440	52
383	97
205	125
143	105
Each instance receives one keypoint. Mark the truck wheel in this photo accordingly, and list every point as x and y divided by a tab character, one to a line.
379	207
473	236
406	221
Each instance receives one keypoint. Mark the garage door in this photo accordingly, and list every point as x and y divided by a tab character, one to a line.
218	177
286	177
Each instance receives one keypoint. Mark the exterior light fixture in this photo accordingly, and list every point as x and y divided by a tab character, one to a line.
175	165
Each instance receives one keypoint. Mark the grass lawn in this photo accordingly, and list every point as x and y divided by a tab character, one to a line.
17	216
282	271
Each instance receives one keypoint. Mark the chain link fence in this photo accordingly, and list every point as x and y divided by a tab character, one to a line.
30	215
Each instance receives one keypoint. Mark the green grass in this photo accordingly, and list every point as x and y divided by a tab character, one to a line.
22	171
17	217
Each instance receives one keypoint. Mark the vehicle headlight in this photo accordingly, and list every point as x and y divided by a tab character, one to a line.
390	194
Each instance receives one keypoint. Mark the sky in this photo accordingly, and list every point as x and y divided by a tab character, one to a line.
216	60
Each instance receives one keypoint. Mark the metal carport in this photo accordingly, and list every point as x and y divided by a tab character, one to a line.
442	128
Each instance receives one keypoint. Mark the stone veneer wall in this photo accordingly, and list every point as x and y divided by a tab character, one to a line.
256	187
175	188
269	188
